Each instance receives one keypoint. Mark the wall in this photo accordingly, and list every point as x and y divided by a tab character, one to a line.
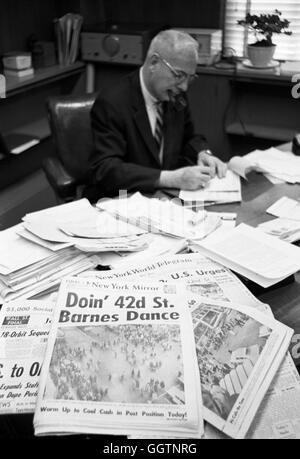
188	13
21	18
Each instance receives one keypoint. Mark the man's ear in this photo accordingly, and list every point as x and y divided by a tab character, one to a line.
153	60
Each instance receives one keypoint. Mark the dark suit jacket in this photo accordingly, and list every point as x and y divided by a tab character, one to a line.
125	155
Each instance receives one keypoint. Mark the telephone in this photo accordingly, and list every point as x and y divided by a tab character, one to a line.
178	100
296	145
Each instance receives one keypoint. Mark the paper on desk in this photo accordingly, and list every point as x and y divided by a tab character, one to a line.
101	225
285	208
283	228
52	280
281	165
17	252
227	189
125	244
242	166
258	256
72	211
54	246
160	216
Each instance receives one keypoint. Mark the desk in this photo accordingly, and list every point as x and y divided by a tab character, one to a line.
258	193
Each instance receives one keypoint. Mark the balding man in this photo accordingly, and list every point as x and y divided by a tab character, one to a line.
143	133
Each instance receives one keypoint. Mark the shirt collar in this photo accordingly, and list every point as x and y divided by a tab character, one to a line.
149	99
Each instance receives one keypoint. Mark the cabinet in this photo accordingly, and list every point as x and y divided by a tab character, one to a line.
242	110
24	111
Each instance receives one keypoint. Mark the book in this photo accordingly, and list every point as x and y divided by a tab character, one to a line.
19	73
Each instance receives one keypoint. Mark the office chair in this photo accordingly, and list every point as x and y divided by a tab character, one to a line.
69	119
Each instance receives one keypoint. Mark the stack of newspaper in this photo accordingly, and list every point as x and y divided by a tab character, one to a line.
235	339
120	360
111	336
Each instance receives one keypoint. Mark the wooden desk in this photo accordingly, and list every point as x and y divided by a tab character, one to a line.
258	194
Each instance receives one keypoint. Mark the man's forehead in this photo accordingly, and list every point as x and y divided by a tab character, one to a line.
186	63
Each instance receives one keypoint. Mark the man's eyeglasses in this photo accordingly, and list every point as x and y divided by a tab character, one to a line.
179	75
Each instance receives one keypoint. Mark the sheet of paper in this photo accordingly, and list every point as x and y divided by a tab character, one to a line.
242	166
283	228
101	225
227	189
17	252
281	165
285	208
249	251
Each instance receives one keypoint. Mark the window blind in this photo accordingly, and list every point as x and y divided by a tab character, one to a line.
288	47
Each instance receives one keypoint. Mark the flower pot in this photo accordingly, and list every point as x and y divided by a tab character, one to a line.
260	56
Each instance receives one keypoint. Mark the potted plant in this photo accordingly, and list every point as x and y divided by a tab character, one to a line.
264	26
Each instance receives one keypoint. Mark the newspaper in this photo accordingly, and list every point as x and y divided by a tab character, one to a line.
239	351
24	329
120	359
200	275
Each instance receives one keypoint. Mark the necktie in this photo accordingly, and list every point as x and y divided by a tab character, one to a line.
158	134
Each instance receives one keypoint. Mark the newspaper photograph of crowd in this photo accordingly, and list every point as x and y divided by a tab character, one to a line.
228	344
119	363
210	290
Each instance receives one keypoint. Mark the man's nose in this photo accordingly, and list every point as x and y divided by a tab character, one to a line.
183	86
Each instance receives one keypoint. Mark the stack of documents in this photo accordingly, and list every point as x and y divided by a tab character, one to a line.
257	256
27	269
162	216
81	225
277	166
217	191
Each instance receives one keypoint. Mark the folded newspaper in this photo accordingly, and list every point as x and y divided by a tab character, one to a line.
120	360
210	283
24	329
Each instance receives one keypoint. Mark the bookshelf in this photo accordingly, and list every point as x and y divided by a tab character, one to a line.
23	111
42	76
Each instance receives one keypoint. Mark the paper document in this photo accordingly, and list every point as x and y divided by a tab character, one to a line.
16	252
285	208
283	228
227	189
162	216
280	165
258	256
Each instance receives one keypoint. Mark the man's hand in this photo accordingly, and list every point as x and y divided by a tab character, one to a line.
217	167
187	178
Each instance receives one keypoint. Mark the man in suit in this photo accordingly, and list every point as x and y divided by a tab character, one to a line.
143	133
